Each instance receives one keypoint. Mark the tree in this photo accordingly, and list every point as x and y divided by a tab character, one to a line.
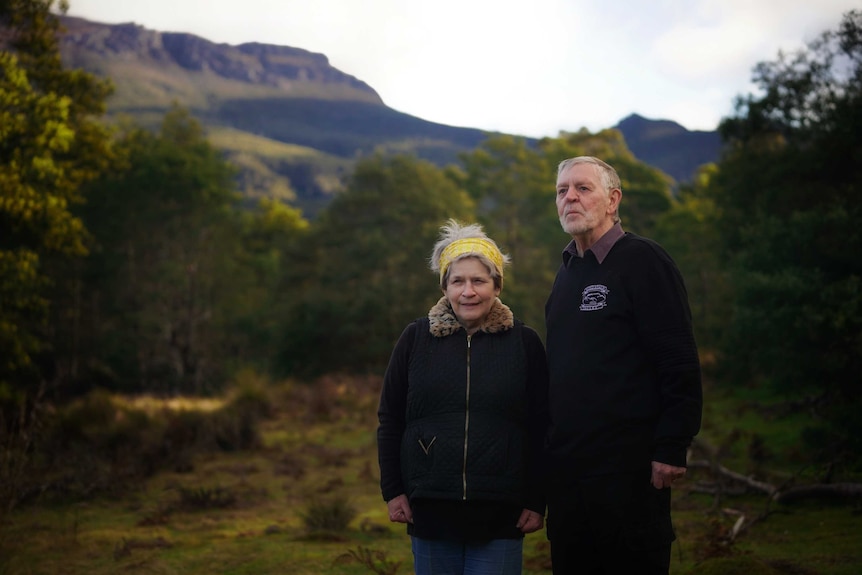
690	231
788	197
50	145
270	239
32	220
165	263
361	273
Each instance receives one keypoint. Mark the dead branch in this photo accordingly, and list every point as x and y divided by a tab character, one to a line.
723	471
784	493
714	489
834	490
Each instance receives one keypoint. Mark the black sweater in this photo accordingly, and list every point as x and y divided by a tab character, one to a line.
625	385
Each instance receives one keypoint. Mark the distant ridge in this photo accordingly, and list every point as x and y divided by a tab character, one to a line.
669	146
292	122
128	50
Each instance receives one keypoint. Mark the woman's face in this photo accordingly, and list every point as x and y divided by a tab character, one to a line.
471	292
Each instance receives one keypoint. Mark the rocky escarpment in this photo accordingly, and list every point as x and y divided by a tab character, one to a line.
84	42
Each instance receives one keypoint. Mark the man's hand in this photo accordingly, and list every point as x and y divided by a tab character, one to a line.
530	521
663	475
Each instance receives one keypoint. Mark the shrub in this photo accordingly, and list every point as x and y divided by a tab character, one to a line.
203	498
375	560
330	515
100	442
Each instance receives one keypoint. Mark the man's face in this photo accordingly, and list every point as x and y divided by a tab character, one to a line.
583	203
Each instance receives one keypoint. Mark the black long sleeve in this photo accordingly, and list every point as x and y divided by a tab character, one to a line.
390	415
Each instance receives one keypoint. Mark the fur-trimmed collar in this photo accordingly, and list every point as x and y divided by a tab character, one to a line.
444	322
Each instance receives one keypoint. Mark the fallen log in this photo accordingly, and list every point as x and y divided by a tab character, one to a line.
781	494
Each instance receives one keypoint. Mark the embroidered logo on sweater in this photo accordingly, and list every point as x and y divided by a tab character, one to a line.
594	297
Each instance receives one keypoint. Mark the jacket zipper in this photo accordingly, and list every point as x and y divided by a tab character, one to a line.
466	423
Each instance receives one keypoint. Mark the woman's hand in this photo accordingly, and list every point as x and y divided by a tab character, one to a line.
399	510
530	521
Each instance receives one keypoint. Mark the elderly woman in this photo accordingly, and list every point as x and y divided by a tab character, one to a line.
463	415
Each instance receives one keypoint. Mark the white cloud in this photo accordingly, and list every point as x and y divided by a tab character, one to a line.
699	52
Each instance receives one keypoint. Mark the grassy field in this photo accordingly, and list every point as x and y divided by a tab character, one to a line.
274	509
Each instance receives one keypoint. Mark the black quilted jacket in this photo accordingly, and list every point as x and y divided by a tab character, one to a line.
464	418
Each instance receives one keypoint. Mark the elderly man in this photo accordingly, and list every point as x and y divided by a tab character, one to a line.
625	385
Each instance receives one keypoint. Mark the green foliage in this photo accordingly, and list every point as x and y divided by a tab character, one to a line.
205	498
92	446
164	272
20	304
250	395
328	515
787	193
34	210
102	443
361	273
50	145
690	232
270	234
235	427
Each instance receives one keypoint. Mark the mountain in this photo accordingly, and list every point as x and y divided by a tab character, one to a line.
669	146
292	122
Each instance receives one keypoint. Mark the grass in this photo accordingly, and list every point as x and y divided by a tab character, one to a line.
227	138
246	512
266	165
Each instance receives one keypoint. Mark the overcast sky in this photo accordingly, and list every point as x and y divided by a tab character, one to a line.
529	67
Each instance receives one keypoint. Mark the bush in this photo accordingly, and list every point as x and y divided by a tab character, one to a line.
100	443
203	498
332	515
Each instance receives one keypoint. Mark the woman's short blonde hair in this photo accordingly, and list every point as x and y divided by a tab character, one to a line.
455	244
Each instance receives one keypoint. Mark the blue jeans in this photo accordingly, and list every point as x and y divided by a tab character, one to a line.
495	557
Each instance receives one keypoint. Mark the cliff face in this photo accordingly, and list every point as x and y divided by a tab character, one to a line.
92	45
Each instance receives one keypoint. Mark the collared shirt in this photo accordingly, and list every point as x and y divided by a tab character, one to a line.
600	249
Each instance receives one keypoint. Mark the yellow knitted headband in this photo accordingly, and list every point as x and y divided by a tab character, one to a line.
471	246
